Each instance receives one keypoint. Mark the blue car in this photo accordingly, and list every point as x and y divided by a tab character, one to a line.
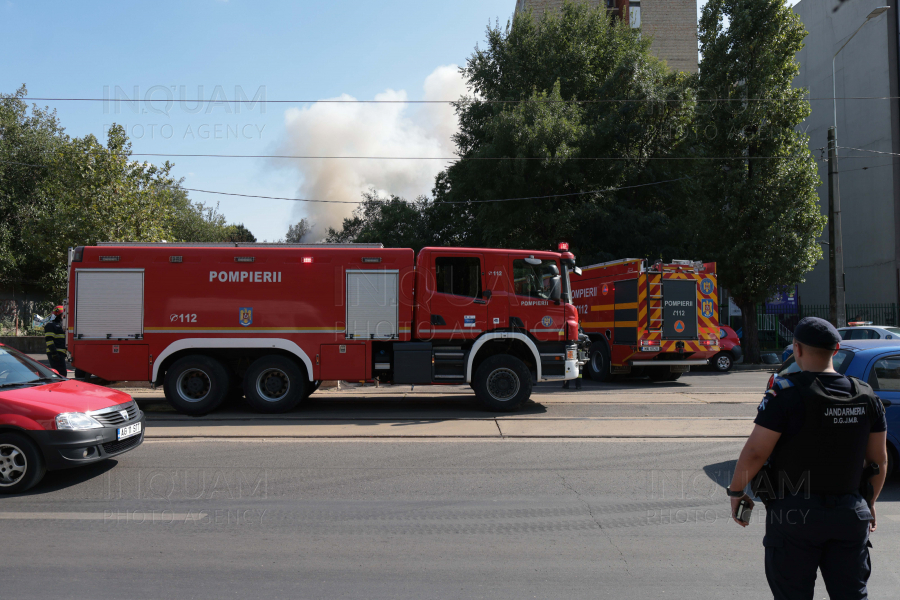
876	362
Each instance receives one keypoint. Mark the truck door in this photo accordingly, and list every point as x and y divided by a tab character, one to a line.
458	309
531	307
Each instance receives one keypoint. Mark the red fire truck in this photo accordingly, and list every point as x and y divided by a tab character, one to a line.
207	320
655	318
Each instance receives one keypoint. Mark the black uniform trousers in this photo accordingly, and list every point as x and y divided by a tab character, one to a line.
57	361
830	533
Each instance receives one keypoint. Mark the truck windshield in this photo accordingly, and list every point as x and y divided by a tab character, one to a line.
535	281
16	368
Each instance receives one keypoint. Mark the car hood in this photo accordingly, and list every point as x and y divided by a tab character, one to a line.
65	396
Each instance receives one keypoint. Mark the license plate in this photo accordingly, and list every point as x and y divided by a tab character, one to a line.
129	431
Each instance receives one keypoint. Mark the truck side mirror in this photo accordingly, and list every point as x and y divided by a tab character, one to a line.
486	294
555	289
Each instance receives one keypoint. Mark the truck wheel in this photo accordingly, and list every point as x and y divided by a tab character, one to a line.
274	384
659	373
196	385
79	374
723	362
311	388
502	383
598	363
21	464
674	376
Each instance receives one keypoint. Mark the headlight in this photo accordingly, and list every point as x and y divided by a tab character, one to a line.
76	421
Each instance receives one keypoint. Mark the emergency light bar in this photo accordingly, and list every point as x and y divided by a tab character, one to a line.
244	259
564	246
371	259
307	260
109	259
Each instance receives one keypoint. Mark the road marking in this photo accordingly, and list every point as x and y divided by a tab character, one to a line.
164	516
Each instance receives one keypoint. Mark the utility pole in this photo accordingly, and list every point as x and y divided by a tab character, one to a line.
837	309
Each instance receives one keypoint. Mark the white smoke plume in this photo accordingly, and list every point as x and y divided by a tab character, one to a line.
324	129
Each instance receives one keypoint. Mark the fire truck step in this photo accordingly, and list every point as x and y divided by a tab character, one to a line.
449	376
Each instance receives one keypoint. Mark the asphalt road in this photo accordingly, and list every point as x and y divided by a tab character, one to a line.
412	517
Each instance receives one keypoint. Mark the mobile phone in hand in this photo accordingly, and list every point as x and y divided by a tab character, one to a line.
744	510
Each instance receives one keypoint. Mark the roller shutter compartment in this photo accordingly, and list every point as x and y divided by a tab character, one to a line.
372	304
109	304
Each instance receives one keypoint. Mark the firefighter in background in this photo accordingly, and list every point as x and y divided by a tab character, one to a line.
55	337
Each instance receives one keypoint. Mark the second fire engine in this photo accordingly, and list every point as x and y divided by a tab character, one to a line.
655	318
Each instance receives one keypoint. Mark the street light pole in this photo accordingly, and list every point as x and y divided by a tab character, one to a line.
837	307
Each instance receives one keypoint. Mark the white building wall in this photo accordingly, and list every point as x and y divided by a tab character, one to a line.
868	197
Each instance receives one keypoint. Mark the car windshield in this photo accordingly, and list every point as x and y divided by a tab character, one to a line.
16	368
841	363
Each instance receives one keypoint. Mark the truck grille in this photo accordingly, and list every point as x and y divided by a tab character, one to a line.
123	445
113	415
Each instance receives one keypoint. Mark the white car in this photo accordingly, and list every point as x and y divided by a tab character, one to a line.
868	331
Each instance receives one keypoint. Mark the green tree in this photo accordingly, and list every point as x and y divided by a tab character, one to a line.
238	233
195	221
298	231
756	215
58	192
548	98
28	144
394	222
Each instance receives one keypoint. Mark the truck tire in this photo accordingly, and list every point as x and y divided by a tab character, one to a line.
722	362
274	384
311	388
598	363
659	373
502	383
196	384
21	463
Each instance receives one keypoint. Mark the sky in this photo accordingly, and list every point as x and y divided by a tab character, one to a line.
217	50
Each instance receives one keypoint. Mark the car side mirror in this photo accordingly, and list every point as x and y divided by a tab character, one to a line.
486	294
555	289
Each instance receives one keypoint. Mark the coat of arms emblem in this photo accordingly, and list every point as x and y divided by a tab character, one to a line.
245	317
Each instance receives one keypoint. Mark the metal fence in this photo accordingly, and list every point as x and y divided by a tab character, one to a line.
776	324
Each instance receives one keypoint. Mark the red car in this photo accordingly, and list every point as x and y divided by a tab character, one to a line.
730	353
48	422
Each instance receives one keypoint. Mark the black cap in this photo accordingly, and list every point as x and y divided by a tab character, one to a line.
817	333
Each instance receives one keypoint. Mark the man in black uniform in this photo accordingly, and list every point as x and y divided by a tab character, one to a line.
55	337
817	429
